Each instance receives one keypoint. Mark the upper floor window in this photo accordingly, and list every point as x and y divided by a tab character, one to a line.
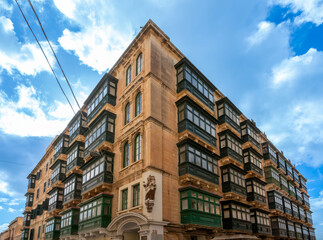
235	176
58	146
225	109
69	186
138	104
262	218
72	155
124	198
95	169
253	158
229	141
188	112
126	155
66	219
237	211
195	83
99	129
135	195
201	202
139	64
100	95
188	153
137	148
257	188
128	76
127	113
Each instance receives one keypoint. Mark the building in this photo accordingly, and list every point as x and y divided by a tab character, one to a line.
13	232
158	152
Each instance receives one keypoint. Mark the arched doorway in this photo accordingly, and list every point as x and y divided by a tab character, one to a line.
128	226
131	231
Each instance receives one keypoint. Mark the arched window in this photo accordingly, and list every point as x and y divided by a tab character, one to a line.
127	113
137	147
139	64
126	155
128	75
138	104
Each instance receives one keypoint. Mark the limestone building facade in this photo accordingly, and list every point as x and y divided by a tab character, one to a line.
158	152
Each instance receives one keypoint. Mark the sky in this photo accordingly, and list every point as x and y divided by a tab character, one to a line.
266	56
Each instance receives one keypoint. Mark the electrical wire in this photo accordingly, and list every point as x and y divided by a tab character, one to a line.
54	54
44	55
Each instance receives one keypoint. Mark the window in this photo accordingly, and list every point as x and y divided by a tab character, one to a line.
135	195
72	155
200	202
50	226
39	230
257	188
37	196
195	81
98	130
126	155
246	129
138	104
281	223
56	171
189	153
229	112
254	159
48	182
124	199
229	141
238	212
66	219
58	146
127	113
53	198
196	118
75	126
261	217
128	75
137	147
44	187
139	64
97	99
46	167
235	177
95	208
69	186
95	169
272	173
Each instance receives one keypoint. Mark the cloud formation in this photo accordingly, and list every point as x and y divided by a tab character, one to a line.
310	10
99	43
308	65
27	116
26	58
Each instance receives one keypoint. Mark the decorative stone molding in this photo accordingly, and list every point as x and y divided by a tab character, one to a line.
150	188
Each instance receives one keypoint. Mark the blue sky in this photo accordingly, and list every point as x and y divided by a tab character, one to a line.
266	56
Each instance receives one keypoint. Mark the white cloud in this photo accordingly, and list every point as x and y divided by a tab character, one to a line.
1	208
311	10
11	210
4	186
263	31
317	203
4	227
5	6
2	200
98	44
297	67
26	58
26	116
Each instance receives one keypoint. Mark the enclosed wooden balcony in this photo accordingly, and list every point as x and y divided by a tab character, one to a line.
191	79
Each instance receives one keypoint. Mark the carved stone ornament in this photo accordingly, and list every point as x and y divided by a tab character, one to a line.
150	188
